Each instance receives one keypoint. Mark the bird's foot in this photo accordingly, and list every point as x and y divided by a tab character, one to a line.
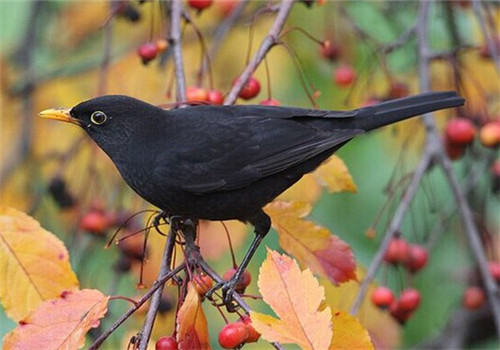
227	288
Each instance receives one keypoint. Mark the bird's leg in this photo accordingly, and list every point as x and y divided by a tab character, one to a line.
262	224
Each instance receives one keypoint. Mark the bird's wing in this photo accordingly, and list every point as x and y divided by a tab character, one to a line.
231	153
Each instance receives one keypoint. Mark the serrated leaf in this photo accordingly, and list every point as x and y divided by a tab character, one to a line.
335	176
59	324
313	245
34	264
192	330
295	296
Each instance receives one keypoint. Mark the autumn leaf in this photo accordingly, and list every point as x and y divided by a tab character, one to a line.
313	245
34	264
295	296
349	334
335	176
192	331
60	323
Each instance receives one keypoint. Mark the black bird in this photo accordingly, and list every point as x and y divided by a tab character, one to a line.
227	162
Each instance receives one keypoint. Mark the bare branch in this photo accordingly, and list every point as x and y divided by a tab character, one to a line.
269	41
463	207
155	300
394	226
98	342
175	41
490	41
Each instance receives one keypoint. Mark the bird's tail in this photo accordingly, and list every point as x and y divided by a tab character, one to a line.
392	111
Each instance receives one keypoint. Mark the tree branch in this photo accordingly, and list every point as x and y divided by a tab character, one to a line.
175	41
490	41
269	41
98	342
464	209
394	226
156	298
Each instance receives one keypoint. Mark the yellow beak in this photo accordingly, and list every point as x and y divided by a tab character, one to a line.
59	114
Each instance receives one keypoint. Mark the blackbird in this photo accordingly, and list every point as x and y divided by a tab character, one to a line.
227	162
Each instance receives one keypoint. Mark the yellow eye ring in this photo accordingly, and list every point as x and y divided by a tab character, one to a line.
98	117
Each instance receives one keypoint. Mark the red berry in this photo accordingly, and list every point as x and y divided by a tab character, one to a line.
202	283
196	94
233	335
166	343
270	102
95	221
251	89
147	52
199	4
399	314
473	298
382	297
417	258
454	151
495	168
215	97
489	135
253	335
244	281
329	50
225	7
397	252
398	90
494	267
344	75
460	131
409	299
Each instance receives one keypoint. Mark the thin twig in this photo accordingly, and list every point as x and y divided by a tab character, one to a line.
220	33
155	300
271	39
491	41
176	43
463	207
394	226
98	342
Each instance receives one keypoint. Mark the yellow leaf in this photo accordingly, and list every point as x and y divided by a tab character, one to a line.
192	331
313	245
349	334
335	176
60	323
34	264
295	296
307	189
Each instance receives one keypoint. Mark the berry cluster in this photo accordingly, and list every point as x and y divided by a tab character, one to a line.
460	133
148	51
237	333
474	296
413	257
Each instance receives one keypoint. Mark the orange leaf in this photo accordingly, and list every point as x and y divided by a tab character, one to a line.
60	323
335	176
313	245
192	331
34	264
295	296
348	333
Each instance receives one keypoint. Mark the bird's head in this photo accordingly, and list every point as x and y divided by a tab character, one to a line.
107	119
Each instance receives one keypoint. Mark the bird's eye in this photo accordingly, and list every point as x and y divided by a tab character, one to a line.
98	117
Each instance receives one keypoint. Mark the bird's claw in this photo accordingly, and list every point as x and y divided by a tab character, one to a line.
227	288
